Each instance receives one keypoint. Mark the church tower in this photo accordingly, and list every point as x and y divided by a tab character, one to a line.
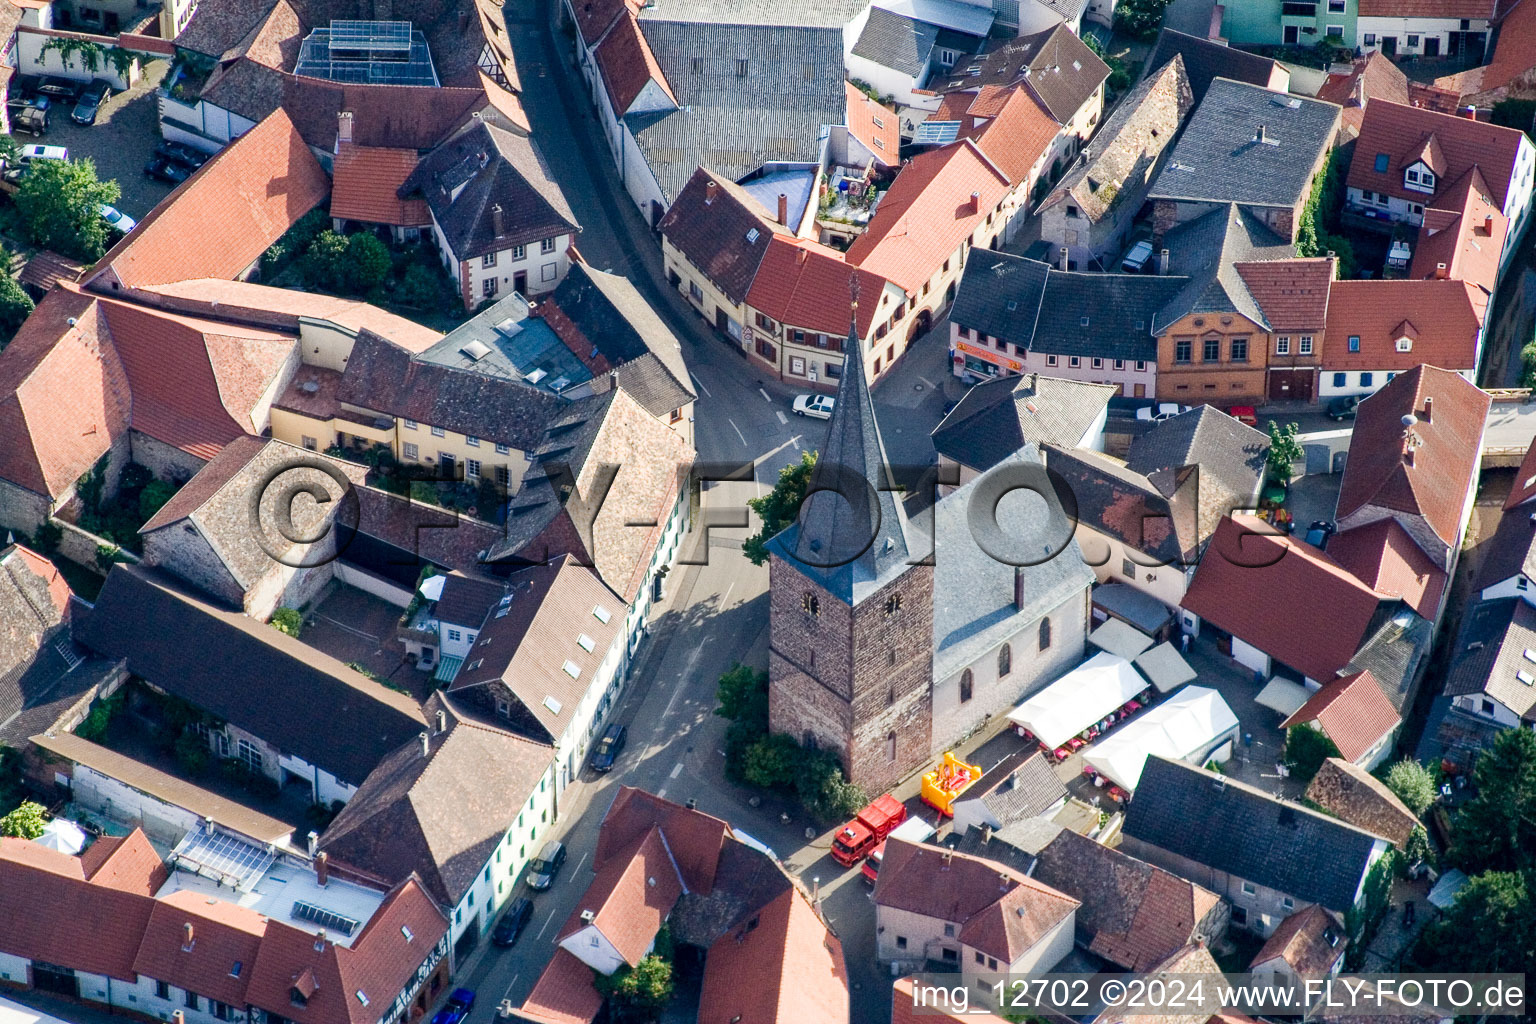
850	620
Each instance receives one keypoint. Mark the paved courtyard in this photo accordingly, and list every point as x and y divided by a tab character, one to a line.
358	628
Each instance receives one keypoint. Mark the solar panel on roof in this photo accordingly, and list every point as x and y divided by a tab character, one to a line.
223	857
325	918
936	133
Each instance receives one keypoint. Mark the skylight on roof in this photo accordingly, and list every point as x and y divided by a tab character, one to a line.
1381	163
752	235
368	52
571	669
1525	677
601	614
553	705
476	350
1530	655
587	644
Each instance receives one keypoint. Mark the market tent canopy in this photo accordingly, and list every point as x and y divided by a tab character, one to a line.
1446	888
1120	639
1184	727
432	587
1283	696
1078	699
63	835
1165	667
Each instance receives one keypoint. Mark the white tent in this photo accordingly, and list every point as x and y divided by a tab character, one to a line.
63	835
1078	699
1120	638
1282	695
1189	724
432	587
1165	667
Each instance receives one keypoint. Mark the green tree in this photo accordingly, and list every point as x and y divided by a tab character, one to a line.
153	498
638	993
743	695
367	262
1490	928
325	261
773	762
1140	18
15	304
60	203
420	288
25	822
1306	749
779	507
1284	451
1496	829
1528	365
1518	114
288	620
1413	784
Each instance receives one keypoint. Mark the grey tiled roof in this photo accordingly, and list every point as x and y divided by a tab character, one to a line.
1000	295
899	43
973	591
1020	786
1490	651
729	123
781	13
1137	607
1219	158
1229	453
1394	652
1205	61
1104	315
851	545
997	417
1157	516
1231	827
1204	250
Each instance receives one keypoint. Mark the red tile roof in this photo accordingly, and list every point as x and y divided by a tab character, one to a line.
1464	231
1442	318
1248	571
1293	294
1515	52
223	934
1480	9
1387	560
1352	711
221	219
805	284
780	966
693	837
629	899
58	593
928	212
127	863
1016	136
627	65
884	139
564	993
365	180
904	1009
1402	133
1302	941
1375	75
1444	461
594	17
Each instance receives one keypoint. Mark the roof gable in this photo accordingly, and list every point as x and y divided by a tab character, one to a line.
1398	135
721	230
1351	711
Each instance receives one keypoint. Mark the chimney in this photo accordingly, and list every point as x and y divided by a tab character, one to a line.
1162	263
344	127
1440	272
1261	134
783	209
186	937
442	721
322	870
320	941
496	218
426	743
1429	404
1018	587
986	834
975	202
710	188
1002	881
947	857
178	1017
1359	91
1471	112
1408	456
801	255
314	842
1063	258
1488	224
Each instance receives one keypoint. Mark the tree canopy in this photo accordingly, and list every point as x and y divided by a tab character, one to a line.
60	203
1284	451
1496	829
26	822
779	507
1413	784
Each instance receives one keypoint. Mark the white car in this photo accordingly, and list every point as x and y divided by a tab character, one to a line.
117	220
43	153
1164	411
819	406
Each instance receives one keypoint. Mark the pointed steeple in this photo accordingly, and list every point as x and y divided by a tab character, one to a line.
851	535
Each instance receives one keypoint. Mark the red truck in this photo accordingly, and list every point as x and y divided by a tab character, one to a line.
867	830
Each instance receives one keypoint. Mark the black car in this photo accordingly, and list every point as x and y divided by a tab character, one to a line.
513	922
608	748
90	102
178	153
1343	407
170	171
63	88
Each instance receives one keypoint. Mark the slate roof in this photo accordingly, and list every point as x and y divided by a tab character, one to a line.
897	42
1219	158
1394	649
1311	941
973	607
1489	655
996	418
1248	570
1353	794
711	228
730	123
1207	252
1021	785
1132	914
1402	133
1062	72
1230	826
1206	61
1231	457
851	533
465	179
995	909
1000	296
440	814
1351	711
247	673
1445	457
1441	318
1155	515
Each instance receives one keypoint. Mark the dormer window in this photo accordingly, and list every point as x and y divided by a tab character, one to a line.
1419	178
1405	344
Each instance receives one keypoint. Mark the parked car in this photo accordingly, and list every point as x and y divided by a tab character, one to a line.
117	220
181	154
460	1002
543	868
1343	407
90	102
1136	260
63	88
22	91
31	120
1319	533
609	747
1164	411
819	406
1244	414
512	922
40	152
162	169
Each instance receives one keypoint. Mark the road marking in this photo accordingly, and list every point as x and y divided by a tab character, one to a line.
783	420
925	380
738	431
764	394
661	794
796	442
580	862
701	385
547	922
677	770
508	993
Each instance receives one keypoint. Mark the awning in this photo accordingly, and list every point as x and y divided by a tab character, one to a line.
432	587
1140	609
1185	726
447	668
1446	888
1165	667
1082	697
1283	696
1120	639
63	835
